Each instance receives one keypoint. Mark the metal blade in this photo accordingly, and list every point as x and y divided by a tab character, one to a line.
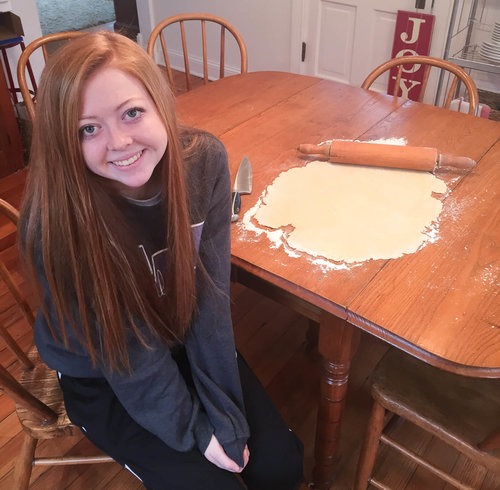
243	180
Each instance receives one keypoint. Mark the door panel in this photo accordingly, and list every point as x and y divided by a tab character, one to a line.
337	30
383	23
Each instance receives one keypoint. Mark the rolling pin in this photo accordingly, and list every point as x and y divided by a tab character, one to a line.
381	155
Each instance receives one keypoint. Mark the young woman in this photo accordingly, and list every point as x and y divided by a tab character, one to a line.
126	226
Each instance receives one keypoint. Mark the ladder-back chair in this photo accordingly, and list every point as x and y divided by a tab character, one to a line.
29	96
456	72
463	412
38	398
160	31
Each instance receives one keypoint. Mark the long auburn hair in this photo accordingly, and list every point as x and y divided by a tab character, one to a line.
98	282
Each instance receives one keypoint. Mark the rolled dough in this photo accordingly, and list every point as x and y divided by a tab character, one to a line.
352	213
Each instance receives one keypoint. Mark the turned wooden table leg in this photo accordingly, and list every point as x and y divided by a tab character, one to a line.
338	341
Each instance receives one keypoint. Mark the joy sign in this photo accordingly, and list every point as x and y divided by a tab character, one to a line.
412	36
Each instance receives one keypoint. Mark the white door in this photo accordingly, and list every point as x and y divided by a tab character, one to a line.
346	39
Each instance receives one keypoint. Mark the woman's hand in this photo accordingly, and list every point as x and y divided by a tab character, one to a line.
215	454
246	456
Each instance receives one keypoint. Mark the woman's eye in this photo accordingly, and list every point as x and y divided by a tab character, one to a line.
88	130
133	113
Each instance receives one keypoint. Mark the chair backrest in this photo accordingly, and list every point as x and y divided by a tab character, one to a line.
9	384
158	32
42	42
456	72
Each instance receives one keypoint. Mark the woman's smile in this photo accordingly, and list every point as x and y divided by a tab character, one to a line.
129	161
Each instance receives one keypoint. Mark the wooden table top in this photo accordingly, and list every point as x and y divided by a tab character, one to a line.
440	303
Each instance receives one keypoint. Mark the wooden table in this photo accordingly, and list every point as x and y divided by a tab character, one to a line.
440	304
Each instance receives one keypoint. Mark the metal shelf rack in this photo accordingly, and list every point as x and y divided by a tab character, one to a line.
468	55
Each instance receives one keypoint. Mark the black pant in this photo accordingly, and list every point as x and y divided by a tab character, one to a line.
275	452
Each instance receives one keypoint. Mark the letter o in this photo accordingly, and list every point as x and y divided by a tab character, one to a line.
406	52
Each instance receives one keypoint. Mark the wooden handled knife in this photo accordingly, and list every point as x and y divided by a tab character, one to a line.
242	185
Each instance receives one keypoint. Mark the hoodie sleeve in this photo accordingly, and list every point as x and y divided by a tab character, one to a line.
210	346
156	396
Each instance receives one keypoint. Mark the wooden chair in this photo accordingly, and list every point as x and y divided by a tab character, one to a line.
29	96
456	72
159	32
38	398
463	412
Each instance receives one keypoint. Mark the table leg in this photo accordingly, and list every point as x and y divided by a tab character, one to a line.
338	342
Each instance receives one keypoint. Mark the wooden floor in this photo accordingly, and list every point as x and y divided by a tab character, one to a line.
272	339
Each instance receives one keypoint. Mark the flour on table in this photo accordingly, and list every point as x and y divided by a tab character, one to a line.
351	213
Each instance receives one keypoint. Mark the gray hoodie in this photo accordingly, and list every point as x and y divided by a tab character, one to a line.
156	394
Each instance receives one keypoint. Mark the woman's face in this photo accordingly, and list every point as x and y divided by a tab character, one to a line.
121	133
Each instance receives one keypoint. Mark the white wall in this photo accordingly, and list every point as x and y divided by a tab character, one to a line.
263	24
26	10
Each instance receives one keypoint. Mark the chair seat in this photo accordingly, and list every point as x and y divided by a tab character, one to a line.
459	410
42	382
